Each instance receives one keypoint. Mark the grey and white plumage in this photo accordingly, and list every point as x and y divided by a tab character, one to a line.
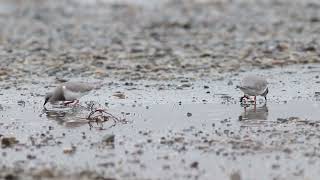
69	91
253	85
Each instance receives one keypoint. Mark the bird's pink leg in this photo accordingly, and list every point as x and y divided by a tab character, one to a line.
100	110
72	103
66	103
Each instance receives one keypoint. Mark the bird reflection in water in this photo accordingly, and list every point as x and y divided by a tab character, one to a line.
254	113
69	117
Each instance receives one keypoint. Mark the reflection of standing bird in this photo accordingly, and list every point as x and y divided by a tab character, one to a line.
69	91
254	85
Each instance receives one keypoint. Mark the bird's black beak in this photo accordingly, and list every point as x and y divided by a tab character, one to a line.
266	93
45	102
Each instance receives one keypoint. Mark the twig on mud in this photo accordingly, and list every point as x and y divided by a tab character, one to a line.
101	115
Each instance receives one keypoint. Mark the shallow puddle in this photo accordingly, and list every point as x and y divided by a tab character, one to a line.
165	136
196	132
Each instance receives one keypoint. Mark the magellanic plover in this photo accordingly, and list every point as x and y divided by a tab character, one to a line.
69	92
254	85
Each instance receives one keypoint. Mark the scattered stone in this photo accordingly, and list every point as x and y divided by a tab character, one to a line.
166	167
44	173
194	165
119	95
22	103
61	80
108	139
282	120
275	166
128	84
29	156
107	164
287	150
7	142
10	177
69	150
185	85
235	176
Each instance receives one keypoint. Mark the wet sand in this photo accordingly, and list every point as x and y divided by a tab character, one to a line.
195	132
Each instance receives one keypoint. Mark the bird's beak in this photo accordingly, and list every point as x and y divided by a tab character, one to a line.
45	102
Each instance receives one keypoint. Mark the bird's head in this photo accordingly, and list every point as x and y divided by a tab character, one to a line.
47	97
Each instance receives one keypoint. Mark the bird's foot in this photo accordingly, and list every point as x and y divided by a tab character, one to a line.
71	103
100	110
67	103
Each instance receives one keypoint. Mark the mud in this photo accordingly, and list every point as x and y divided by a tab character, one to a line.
195	132
170	71
137	40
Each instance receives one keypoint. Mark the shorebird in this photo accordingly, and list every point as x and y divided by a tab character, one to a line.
254	85
69	92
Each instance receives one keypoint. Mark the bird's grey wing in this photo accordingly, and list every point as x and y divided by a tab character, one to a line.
255	83
248	90
78	87
261	86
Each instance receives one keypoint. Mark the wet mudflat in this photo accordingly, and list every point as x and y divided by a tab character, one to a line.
178	132
169	69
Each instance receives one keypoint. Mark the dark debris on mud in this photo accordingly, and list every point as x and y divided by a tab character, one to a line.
100	116
19	173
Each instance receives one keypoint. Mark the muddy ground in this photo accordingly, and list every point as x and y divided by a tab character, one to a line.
170	70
